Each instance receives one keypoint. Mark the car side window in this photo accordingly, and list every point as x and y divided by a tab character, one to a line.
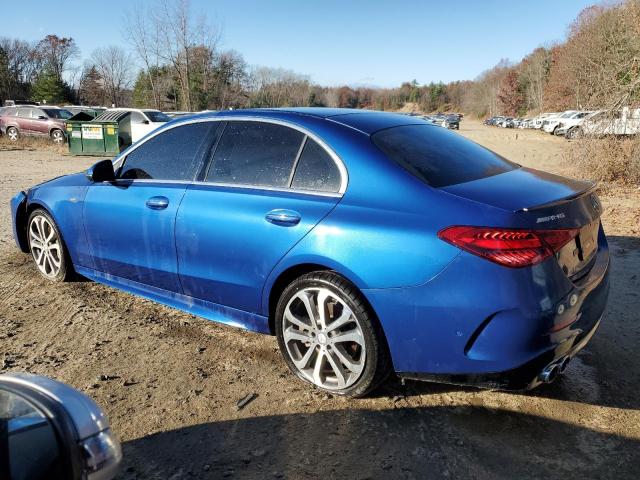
24	113
35	113
255	153
137	117
316	170
175	154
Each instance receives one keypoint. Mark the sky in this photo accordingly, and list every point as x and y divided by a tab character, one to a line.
334	42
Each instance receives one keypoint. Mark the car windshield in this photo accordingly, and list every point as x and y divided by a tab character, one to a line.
156	116
438	157
58	113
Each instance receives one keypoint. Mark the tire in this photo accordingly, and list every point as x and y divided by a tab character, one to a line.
13	134
572	133
314	351
57	137
52	261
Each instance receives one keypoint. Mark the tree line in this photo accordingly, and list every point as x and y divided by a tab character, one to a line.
182	67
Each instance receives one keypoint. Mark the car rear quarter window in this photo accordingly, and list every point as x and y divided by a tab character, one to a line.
316	170
438	157
255	153
174	154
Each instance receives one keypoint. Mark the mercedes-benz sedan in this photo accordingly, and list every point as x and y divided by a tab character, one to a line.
367	242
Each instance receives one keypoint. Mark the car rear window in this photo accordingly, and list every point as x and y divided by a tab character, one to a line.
439	157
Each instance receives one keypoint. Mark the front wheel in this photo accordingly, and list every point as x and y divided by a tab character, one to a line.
47	248
13	134
329	337
572	133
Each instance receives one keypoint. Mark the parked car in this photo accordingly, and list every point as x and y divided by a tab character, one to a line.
623	122
15	103
568	127
459	266
537	121
35	121
447	121
549	124
134	123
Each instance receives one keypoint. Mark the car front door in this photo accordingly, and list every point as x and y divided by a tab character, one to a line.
266	187
130	222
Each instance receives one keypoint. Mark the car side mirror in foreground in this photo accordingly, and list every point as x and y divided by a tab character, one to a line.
101	172
49	430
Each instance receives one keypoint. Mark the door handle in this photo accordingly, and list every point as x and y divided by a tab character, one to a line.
158	203
285	218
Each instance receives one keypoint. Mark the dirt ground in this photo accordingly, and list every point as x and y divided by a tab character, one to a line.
170	381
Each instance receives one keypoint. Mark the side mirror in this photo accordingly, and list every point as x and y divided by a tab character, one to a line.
42	117
50	430
101	172
146	122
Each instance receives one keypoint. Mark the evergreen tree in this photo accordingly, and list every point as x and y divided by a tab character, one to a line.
48	88
91	89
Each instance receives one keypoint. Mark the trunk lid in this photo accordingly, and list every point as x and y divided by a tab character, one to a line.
519	189
543	201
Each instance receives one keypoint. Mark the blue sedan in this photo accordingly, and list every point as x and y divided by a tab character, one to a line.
367	242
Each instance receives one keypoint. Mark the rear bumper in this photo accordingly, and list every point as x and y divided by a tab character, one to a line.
524	377
481	324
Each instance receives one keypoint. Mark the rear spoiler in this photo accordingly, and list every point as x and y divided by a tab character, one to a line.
555	203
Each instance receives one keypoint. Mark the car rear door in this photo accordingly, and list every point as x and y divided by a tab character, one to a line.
130	222
266	187
23	120
39	121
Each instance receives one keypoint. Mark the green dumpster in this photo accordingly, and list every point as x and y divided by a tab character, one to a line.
93	138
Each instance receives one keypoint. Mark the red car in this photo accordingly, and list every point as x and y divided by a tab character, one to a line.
34	121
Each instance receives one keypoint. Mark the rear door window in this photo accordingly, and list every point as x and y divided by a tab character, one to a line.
316	170
24	113
439	157
255	153
175	154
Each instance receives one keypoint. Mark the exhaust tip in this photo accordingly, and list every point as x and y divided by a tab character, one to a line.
549	373
564	364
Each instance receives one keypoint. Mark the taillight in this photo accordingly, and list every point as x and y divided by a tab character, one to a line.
509	247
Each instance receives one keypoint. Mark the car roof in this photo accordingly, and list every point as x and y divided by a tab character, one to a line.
365	121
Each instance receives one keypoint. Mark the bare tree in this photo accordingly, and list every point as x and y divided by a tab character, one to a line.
168	34
144	36
114	67
57	53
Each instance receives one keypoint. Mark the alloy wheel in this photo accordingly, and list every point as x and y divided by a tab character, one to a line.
45	246
324	338
12	133
57	137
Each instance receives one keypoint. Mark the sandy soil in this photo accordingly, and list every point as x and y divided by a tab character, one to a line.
170	381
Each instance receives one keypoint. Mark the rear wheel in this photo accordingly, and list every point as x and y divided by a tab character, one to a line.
13	134
47	248
57	137
329	337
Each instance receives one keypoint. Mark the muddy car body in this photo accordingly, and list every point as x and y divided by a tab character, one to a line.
366	241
